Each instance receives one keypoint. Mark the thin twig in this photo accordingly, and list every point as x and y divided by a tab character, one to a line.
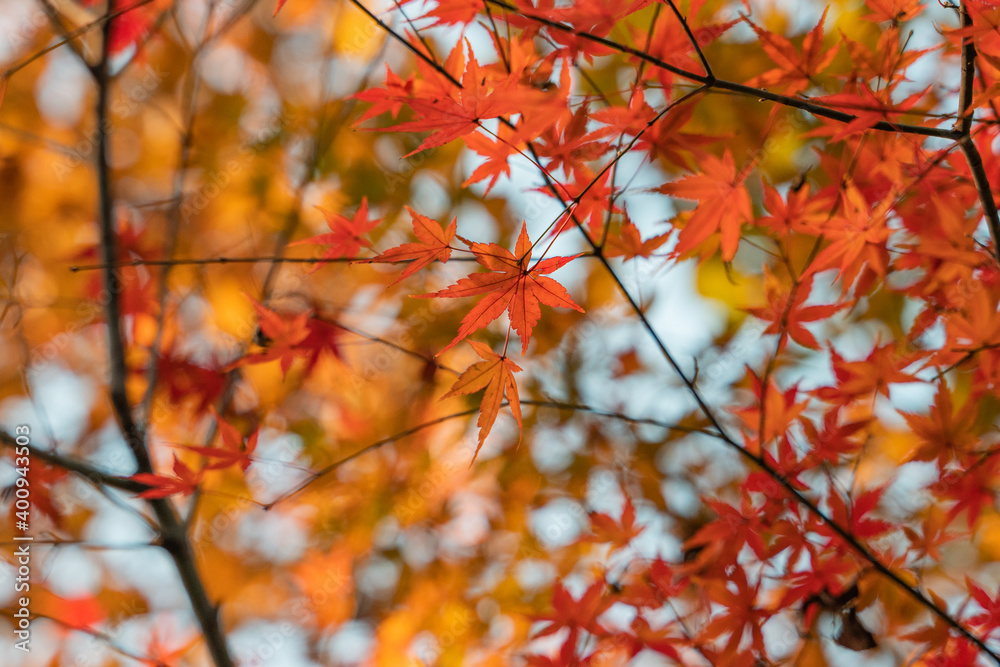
173	218
692	39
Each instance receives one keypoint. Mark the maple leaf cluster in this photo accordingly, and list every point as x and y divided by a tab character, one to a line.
813	482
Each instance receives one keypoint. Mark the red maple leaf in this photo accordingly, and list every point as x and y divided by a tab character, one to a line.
856	379
233	449
495	374
132	23
989	619
184	379
731	530
972	487
575	614
741	615
184	481
568	145
286	337
645	637
856	520
835	441
510	285
868	108
323	336
589	199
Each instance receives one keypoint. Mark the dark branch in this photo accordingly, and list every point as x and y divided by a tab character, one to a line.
172	533
93	475
964	128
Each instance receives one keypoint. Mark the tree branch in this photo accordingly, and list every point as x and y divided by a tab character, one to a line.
711	82
173	536
557	405
964	128
273	259
93	475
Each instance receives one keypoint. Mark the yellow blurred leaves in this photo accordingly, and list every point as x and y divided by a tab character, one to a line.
354	34
232	311
988	535
811	654
731	288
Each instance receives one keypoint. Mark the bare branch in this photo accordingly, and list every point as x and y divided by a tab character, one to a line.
173	536
964	128
93	475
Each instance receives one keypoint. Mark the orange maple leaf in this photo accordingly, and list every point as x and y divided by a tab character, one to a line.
869	108
452	12
567	144
883	367
509	286
893	10
724	204
742	615
345	236
496	151
796	70
433	244
304	335
946	433
460	113
858	237
628	242
495	374
283	335
619	533
786	310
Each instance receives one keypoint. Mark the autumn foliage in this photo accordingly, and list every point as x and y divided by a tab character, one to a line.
502	332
